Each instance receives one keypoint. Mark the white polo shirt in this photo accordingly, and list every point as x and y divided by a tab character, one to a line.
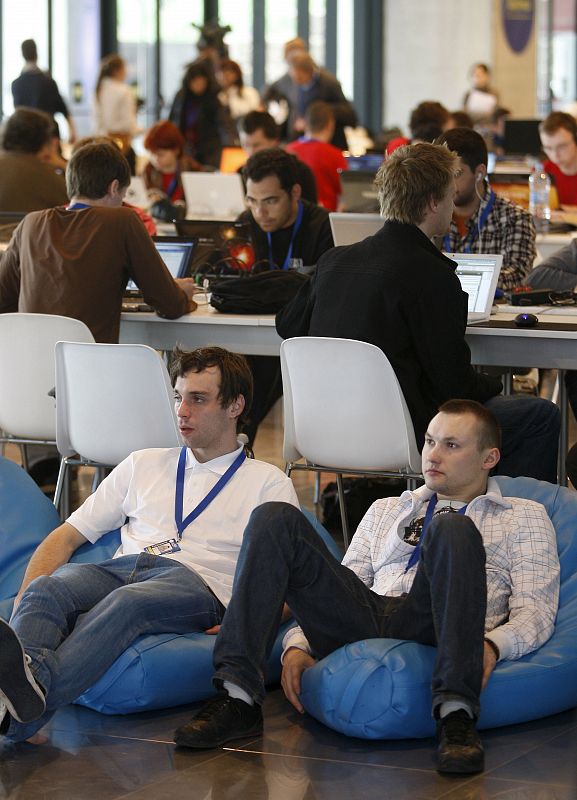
138	497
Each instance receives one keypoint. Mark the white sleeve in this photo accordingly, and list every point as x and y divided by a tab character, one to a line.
295	637
104	510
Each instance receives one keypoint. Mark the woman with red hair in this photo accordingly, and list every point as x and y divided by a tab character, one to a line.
165	144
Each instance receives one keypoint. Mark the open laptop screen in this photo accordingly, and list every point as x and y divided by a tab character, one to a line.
176	254
478	275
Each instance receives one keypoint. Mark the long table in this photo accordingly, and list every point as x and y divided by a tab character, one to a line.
552	344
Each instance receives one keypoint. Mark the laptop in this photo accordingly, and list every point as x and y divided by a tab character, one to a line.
221	247
522	137
350	228
177	253
479	275
213	195
136	193
359	192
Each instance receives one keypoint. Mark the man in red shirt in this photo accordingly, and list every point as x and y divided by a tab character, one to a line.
323	158
559	140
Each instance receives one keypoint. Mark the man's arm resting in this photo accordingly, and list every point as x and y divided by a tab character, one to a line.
295	661
54	551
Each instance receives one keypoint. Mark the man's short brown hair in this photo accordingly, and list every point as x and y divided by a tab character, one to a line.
489	433
318	116
410	177
93	167
559	120
235	374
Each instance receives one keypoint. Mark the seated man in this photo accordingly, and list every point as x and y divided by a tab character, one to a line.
316	150
558	134
287	232
483	222
76	261
175	566
481	584
26	182
259	131
397	291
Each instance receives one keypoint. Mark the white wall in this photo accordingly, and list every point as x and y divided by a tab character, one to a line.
429	47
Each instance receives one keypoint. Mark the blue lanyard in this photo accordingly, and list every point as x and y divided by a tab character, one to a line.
296	226
218	487
171	188
482	220
77	206
415	555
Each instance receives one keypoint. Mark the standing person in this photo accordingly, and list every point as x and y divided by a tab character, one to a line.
235	95
174	568
324	159
37	89
558	134
396	290
453	564
200	116
114	107
481	101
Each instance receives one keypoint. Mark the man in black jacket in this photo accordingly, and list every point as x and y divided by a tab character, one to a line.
398	291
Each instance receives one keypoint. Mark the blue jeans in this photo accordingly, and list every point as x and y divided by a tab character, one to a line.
76	622
530	436
283	559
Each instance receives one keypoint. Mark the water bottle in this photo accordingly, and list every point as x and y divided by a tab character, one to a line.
539	189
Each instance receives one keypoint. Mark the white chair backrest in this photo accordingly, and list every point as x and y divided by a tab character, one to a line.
112	399
343	406
27	371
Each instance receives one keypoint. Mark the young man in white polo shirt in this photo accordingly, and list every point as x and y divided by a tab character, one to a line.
182	514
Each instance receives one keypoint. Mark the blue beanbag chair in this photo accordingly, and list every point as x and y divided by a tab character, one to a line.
381	688
156	671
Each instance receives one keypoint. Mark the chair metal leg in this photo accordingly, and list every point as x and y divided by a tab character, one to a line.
24	457
317	493
343	510
62	476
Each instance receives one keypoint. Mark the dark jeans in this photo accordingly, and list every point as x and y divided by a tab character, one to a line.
283	558
267	390
530	436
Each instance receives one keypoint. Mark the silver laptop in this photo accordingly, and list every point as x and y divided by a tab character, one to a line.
478	275
352	228
213	195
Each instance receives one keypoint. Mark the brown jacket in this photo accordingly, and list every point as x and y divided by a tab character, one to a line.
77	264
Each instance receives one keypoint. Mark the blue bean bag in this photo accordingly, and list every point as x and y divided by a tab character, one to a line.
381	688
156	671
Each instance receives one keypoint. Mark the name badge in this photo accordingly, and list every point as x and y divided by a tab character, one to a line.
160	549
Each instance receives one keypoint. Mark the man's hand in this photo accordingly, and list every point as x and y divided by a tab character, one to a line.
489	663
213	631
295	663
189	287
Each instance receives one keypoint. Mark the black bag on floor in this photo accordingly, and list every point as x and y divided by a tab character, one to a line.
263	293
360	493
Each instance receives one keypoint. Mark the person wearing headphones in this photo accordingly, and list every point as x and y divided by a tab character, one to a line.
483	222
558	134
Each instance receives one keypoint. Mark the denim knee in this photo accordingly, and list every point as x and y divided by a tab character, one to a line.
452	530
272	518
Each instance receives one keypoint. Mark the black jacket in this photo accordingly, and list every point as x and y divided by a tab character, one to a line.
397	291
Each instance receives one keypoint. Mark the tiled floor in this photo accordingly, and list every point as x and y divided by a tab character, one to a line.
89	755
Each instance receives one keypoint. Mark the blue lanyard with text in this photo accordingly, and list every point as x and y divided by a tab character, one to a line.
181	524
482	220
77	206
296	227
415	555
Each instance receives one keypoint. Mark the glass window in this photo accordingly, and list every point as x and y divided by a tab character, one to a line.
178	43
317	38
345	49
21	19
239	40
280	26
136	32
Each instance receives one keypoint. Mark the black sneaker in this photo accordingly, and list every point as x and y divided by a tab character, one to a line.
219	721
23	697
460	749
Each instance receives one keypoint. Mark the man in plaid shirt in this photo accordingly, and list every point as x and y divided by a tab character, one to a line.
483	222
481	583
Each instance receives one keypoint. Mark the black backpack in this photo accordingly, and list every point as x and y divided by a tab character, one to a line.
263	293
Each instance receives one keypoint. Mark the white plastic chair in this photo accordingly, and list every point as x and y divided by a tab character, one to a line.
27	411
111	399
344	412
